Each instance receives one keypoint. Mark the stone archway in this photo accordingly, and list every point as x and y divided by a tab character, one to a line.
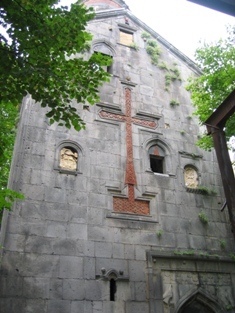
196	307
198	302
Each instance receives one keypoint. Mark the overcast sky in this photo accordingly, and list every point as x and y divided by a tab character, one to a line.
181	22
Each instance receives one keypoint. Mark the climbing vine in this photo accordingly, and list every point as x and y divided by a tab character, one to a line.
153	49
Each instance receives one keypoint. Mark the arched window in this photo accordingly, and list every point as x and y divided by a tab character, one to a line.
158	157
191	177
68	158
105	49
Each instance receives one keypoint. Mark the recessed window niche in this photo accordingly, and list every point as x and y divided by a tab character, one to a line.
68	158
191	178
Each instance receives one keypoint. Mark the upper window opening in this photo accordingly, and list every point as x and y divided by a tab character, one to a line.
107	68
105	50
156	164
68	158
156	156
126	38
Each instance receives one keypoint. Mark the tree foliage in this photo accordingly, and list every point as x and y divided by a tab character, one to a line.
217	62
41	52
8	117
41	55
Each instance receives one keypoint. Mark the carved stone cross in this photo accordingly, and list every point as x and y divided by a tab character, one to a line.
130	204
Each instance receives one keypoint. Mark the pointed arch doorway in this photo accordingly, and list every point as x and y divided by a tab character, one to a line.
198	302
196	307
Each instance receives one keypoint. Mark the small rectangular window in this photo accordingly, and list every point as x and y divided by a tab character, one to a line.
126	38
156	163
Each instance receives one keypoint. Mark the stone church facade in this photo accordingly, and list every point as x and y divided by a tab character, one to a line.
125	216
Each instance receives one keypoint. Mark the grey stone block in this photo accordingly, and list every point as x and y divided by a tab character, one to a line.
96	233
71	267
55	195
77	231
89	268
197	242
11	286
28	209
12	305
182	241
79	198
98	306
137	271
140	253
56	288
93	290
59	306
56	214
68	247
34	287
129	252
12	264
140	291
103	249
35	306
89	249
33	192
77	213
117	306
15	242
56	229
137	307
33	161
40	245
97	200
95	216
73	289
34	227
39	265
78	307
118	251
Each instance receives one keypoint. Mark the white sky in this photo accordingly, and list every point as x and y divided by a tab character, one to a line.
181	22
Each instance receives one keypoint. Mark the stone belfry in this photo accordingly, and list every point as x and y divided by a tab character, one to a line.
125	216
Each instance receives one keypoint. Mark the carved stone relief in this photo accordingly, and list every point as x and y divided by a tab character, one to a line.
68	159
190	177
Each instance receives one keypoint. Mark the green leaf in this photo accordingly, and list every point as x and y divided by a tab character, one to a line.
208	91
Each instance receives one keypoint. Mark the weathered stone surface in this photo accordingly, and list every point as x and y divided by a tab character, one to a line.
66	249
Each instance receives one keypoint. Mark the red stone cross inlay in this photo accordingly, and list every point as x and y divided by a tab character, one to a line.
129	205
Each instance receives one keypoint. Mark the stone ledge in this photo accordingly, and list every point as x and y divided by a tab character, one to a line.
131	217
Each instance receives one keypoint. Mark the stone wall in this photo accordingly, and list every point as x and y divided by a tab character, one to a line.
66	248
